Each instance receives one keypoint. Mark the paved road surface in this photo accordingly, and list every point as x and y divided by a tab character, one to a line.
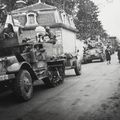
73	100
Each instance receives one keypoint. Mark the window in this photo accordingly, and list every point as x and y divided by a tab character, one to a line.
31	19
63	17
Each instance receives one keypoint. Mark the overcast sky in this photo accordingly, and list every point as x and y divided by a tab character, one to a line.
110	15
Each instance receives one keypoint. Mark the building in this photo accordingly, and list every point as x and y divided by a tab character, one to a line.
113	41
41	14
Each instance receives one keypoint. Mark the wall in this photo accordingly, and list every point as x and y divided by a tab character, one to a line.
69	41
66	40
29	34
56	49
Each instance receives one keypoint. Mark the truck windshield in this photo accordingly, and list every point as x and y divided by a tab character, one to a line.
7	52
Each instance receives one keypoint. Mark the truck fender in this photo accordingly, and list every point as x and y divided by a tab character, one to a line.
27	66
16	67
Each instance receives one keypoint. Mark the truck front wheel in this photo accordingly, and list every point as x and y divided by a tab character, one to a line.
23	86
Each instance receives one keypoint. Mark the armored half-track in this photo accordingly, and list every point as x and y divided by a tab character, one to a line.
22	62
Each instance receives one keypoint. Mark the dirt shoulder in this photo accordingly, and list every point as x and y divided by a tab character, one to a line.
109	110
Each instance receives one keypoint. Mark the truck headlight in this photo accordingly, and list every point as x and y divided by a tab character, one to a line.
12	64
11	60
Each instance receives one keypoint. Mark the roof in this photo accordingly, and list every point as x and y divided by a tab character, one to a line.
55	25
61	25
42	19
37	6
46	18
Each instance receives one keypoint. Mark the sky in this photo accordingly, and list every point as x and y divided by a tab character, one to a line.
109	15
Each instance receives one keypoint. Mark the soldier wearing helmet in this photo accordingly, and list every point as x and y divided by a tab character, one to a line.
51	35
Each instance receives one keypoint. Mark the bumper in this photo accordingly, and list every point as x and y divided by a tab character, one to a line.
95	57
6	77
91	58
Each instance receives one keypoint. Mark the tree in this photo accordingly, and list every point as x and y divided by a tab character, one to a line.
67	5
87	20
29	2
10	4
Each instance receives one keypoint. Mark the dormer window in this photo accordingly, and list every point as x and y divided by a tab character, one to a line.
63	17
71	22
31	19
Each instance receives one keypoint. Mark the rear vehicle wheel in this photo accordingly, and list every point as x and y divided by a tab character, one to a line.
23	86
89	61
55	77
77	68
85	61
102	59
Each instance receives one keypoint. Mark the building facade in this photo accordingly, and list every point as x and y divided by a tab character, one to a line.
41	14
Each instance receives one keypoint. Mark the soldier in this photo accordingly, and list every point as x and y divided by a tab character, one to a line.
108	55
8	32
118	53
51	35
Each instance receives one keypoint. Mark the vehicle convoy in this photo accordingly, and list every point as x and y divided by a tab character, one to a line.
93	52
22	63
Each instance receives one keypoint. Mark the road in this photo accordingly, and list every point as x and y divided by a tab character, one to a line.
90	96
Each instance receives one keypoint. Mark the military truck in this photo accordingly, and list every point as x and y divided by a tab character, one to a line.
23	63
94	52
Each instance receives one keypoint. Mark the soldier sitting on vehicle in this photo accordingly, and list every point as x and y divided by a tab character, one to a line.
40	53
51	35
37	54
8	32
40	38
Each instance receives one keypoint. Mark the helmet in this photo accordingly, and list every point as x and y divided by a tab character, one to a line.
47	27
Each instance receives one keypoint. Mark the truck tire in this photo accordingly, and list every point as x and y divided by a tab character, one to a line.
102	59
89	61
77	68
55	77
23	86
85	61
62	74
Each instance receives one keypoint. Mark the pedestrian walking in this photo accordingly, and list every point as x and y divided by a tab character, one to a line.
118	53
108	55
